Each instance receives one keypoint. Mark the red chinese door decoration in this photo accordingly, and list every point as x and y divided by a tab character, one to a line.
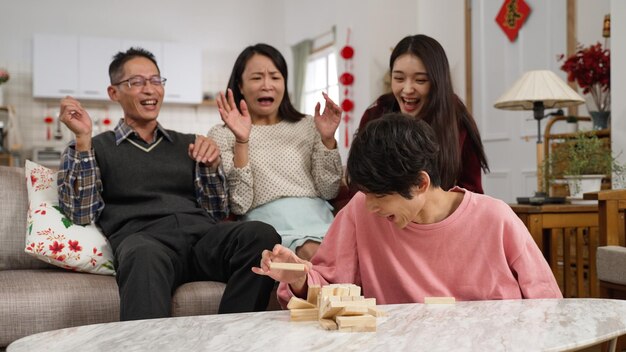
512	16
347	79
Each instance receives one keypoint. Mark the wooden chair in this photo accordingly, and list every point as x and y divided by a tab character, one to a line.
611	253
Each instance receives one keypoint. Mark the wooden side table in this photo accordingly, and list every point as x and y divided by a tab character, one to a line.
567	235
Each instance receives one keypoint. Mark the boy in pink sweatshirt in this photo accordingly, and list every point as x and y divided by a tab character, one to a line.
403	238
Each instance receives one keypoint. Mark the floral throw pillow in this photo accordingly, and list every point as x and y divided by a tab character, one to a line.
52	237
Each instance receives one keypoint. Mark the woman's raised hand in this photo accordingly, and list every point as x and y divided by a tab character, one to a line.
239	123
328	121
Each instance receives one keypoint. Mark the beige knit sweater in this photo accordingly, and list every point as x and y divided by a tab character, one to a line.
287	159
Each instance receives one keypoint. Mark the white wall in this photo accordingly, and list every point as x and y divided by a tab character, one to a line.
220	28
377	26
618	78
444	20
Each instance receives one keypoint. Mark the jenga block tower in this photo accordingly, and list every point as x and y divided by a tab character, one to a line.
337	307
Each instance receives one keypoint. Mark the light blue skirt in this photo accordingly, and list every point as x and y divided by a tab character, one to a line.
296	219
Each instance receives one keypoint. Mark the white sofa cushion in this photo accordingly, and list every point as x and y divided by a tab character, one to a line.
52	237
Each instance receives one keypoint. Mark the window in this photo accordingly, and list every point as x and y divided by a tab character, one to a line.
321	76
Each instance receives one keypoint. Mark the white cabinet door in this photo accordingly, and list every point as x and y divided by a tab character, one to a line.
94	57
55	66
182	66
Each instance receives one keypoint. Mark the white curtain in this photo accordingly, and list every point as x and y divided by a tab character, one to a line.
301	52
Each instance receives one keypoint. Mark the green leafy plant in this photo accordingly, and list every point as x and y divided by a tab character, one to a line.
585	154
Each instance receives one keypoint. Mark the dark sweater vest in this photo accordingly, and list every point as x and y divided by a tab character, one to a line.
142	187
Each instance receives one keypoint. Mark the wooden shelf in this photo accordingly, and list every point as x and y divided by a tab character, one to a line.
211	103
599	133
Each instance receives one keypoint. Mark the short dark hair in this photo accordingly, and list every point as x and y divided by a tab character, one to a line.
116	68
388	154
286	110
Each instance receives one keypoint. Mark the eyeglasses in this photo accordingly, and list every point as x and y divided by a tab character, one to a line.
140	81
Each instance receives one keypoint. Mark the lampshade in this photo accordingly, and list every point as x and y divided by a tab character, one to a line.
538	86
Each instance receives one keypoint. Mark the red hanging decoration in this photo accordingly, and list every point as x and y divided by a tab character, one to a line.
347	52
347	79
512	16
347	105
48	120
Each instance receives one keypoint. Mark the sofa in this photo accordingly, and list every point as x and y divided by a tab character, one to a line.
36	296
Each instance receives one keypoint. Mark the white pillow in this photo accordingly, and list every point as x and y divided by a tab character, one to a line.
52	237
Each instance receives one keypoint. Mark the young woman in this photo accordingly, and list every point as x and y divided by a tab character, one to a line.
421	87
281	165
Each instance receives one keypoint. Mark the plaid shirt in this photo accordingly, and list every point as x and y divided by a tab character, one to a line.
80	185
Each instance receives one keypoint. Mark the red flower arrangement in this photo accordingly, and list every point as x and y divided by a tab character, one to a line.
590	67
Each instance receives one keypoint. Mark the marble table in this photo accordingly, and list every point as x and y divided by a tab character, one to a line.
512	325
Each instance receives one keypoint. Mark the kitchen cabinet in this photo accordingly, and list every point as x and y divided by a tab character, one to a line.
94	57
55	66
182	66
78	66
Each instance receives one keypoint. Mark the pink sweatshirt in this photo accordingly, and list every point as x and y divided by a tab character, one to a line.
481	251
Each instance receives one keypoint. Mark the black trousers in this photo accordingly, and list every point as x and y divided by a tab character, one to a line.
152	263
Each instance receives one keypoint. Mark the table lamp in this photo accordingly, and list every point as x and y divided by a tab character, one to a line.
538	90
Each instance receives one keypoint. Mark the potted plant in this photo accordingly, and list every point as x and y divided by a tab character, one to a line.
583	161
590	67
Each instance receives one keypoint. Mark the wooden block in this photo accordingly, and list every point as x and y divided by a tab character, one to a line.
355	291
439	300
308	314
353	310
287	266
326	311
312	294
328	324
327	291
367	302
356	323
374	311
341	291
299	303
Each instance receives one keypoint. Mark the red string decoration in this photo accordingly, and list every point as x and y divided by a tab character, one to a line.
347	79
48	120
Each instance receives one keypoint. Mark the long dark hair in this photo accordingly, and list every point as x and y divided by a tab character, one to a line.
286	110
444	110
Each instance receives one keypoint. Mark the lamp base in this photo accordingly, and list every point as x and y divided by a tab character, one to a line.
540	198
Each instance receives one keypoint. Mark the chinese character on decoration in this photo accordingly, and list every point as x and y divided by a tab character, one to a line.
347	79
512	16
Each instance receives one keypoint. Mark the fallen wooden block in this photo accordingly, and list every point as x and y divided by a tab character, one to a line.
312	294
299	303
287	266
353	310
373	311
439	300
328	324
307	314
356	323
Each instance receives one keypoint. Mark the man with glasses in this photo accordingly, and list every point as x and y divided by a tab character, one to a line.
158	195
